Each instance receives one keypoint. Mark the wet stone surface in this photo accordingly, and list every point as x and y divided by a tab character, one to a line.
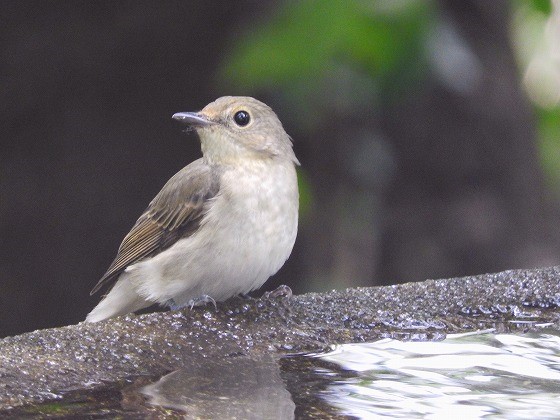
43	370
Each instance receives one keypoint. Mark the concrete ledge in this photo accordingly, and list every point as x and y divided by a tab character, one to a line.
46	365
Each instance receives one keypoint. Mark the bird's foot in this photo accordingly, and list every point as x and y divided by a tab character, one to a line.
282	291
279	298
202	300
199	301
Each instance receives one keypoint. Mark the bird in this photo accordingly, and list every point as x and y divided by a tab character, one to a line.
221	226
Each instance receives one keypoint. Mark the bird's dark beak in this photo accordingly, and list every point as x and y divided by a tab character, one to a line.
193	119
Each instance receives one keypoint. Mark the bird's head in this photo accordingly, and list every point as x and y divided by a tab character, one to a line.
239	127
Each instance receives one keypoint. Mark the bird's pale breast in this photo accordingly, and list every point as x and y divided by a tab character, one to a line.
247	237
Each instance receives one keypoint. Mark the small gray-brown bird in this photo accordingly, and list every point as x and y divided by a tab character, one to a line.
221	226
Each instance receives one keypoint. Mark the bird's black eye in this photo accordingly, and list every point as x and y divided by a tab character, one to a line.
241	118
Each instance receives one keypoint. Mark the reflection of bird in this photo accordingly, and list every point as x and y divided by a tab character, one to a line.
221	226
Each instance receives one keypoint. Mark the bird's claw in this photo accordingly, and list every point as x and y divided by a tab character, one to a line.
202	300
281	291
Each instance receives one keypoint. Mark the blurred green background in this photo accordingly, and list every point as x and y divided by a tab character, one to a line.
428	132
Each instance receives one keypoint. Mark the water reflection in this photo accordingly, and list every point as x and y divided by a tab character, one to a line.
467	376
480	375
239	387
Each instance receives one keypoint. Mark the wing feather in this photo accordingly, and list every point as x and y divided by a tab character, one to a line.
175	213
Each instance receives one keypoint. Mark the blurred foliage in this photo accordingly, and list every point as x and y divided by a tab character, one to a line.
305	194
308	49
542	6
549	144
305	36
536	43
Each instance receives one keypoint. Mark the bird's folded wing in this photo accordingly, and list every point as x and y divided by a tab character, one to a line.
175	213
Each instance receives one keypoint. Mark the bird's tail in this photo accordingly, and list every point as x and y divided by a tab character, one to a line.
121	300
